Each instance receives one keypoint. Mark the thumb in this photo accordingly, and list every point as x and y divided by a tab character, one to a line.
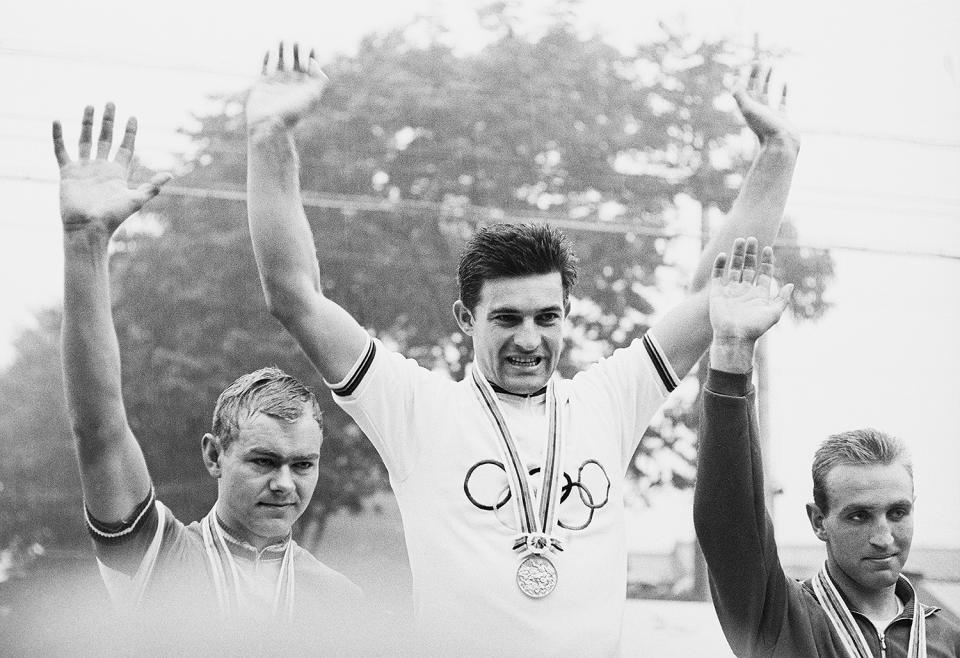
783	297
152	188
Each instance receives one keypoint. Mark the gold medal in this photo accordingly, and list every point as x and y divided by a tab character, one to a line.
536	577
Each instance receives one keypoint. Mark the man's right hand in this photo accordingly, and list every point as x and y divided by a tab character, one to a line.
745	302
287	92
767	118
93	192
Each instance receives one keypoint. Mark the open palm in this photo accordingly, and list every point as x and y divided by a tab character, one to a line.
288	92
94	193
765	117
745	301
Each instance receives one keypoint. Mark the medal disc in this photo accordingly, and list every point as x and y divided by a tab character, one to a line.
537	576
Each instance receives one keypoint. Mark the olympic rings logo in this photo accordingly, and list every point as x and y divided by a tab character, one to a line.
585	496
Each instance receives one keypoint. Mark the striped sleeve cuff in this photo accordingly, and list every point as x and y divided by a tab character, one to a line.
660	362
111	532
349	384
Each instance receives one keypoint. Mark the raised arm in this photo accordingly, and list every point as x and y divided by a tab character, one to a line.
283	244
94	201
684	333
748	586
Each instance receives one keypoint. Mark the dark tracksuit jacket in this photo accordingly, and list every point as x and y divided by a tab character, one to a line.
761	610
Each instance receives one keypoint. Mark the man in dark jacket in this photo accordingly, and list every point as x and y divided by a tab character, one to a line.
859	604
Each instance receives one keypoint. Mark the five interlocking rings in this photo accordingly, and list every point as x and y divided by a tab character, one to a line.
569	484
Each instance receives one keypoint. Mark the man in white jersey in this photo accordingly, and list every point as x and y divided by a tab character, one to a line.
510	482
239	564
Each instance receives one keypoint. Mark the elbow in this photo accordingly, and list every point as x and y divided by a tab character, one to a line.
286	303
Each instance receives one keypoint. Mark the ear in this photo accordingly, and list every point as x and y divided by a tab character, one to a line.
464	317
816	521
212	451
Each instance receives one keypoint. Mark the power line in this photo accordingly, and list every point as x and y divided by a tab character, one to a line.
102	59
479	215
95	58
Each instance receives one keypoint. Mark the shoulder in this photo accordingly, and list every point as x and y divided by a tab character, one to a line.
329	580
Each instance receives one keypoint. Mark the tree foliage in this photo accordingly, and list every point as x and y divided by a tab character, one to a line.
559	124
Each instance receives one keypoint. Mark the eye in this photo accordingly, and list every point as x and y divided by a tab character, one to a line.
506	320
858	517
303	466
263	462
549	318
898	513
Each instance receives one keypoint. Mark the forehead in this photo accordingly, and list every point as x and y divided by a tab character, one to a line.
522	292
261	432
868	485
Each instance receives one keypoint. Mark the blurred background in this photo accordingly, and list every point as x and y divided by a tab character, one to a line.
611	120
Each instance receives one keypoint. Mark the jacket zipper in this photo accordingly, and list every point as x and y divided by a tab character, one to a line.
883	645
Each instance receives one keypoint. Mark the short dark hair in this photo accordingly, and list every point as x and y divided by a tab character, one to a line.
509	250
856	447
268	391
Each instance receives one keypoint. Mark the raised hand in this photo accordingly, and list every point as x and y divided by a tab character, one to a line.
287	91
745	301
766	117
94	193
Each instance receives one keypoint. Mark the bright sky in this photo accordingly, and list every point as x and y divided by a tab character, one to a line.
875	89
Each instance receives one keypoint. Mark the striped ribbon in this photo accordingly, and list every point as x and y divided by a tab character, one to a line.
536	528
226	578
846	626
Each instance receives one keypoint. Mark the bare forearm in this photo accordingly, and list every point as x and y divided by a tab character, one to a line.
759	206
91	355
282	240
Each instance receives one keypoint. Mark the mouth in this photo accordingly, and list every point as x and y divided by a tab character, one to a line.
882	559
524	361
277	505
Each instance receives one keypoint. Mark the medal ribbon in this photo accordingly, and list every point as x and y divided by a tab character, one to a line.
846	626
537	528
226	579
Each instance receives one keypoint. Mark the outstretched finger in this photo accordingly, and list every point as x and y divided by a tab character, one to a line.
280	57
754	77
266	60
86	133
750	261
313	68
719	266
783	98
59	150
765	271
784	295
125	152
736	261
296	57
151	189
105	141
765	92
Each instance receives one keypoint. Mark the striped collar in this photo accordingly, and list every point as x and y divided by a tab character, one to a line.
502	391
243	549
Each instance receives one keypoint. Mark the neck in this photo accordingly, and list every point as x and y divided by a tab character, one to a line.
238	532
873	603
499	389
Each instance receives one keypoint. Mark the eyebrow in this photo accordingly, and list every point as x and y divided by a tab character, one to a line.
904	502
513	309
278	456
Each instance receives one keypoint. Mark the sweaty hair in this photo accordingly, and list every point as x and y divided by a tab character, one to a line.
510	250
856	447
268	391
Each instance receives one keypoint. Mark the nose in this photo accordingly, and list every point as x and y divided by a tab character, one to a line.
527	337
882	535
282	480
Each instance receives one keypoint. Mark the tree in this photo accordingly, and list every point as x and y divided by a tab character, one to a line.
555	124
